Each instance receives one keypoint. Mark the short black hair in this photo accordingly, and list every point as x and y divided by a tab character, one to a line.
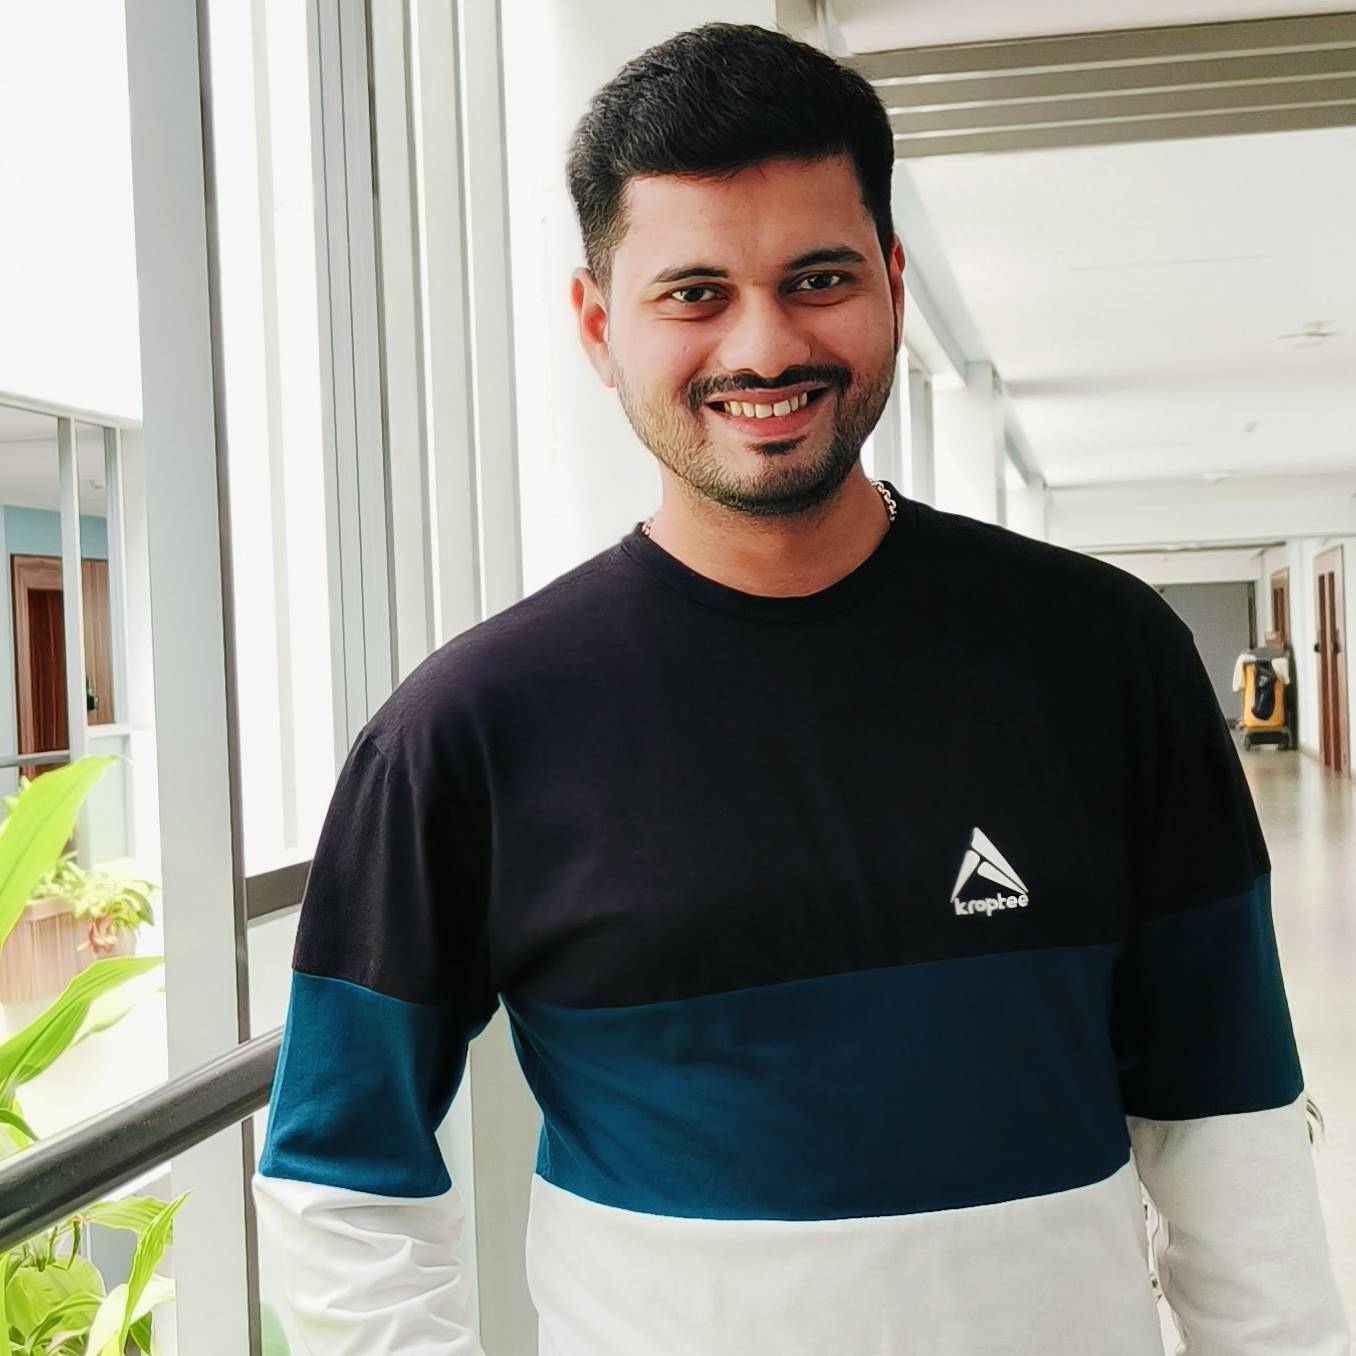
715	100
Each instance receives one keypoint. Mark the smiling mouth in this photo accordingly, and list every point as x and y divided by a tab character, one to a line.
739	408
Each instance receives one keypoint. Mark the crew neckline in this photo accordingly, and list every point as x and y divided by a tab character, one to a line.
842	593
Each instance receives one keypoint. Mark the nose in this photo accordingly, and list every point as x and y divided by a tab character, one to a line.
762	337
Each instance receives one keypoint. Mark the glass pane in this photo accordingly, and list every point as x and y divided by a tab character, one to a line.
270	336
94	905
69	338
107	824
271	941
33	684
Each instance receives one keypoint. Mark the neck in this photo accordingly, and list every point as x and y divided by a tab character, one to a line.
787	557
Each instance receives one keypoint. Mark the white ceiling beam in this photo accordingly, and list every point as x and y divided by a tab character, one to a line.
1114	132
927	336
1094	89
32	405
938	328
1095	108
1259	68
1115	47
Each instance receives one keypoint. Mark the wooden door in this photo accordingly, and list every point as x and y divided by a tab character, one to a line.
1334	741
40	652
98	641
1280	607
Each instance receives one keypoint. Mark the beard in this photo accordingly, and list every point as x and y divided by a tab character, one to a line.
785	485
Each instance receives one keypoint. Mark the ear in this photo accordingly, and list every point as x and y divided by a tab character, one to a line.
590	309
894	266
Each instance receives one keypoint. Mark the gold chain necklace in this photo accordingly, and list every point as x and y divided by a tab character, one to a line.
882	489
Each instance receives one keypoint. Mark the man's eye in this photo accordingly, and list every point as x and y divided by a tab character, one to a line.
692	296
818	282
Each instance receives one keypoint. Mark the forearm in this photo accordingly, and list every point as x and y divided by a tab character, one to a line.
366	1275
1243	1258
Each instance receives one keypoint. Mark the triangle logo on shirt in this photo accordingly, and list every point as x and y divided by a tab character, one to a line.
983	859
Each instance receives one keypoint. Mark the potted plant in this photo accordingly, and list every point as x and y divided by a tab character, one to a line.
71	918
53	1300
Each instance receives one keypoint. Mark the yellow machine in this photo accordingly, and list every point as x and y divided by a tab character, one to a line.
1263	677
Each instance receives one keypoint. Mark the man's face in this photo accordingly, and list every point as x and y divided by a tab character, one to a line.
766	288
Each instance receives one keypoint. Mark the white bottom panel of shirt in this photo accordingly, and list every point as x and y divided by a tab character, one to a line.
1042	1276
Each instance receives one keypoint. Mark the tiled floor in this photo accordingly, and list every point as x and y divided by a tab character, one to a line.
1309	816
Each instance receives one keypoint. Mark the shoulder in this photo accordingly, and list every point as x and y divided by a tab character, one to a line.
1047	590
518	649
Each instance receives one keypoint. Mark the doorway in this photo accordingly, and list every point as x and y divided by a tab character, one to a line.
1223	624
1330	611
1279	633
40	653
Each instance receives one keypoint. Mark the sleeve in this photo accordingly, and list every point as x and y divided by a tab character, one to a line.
356	1209
1209	1071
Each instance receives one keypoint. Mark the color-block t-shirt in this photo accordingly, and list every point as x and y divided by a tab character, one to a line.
848	943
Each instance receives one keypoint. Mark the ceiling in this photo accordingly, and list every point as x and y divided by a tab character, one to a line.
29	475
1134	298
23	426
880	25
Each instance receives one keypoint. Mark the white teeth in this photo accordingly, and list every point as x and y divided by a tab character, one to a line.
746	411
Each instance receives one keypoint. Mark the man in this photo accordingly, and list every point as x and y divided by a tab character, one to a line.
861	882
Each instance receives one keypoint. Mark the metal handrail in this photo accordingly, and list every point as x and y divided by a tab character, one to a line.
57	1177
51	758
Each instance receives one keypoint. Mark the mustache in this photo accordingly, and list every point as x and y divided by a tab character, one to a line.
706	388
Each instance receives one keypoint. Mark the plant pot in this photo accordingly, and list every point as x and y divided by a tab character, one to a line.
47	949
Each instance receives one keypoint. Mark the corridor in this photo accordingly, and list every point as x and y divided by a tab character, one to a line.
1309	816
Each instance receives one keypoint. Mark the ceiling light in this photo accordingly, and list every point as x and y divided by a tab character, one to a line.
1311	334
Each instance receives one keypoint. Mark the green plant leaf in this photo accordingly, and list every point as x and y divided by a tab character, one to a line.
140	1333
159	1290
134	1212
38	829
33	1049
17	1122
15	1133
34	1293
110	1008
103	1332
142	1291
66	1320
7	1261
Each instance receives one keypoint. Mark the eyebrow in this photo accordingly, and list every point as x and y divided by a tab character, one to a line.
830	254
833	254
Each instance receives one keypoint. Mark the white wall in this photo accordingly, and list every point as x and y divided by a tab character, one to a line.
1261	509
585	478
68	327
1028	512
1188	567
968	441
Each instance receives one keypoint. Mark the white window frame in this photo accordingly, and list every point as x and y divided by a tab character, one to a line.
440	335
